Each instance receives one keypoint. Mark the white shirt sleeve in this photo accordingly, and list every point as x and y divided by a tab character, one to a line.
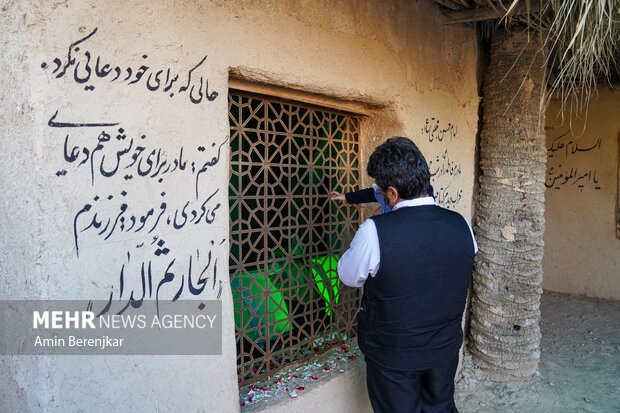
362	258
472	237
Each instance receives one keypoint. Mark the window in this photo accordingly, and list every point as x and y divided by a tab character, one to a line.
286	234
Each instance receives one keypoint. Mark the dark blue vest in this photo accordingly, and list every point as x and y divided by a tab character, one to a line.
412	309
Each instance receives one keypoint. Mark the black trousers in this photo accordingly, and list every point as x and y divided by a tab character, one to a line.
416	391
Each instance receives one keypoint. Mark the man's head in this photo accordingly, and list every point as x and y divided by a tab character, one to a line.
399	164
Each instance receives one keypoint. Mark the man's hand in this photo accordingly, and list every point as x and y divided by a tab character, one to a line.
337	196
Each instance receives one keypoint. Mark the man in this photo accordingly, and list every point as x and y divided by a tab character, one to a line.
415	264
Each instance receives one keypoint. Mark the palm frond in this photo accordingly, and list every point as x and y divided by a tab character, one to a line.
580	39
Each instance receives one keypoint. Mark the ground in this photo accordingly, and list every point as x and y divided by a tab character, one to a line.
579	367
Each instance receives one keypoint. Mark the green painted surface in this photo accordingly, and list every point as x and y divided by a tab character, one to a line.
325	271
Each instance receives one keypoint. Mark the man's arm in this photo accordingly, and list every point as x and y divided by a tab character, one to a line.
362	258
361	197
356	197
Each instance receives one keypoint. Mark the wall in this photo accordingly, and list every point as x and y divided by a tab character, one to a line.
582	253
395	58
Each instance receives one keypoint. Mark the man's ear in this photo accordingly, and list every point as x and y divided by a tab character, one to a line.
392	195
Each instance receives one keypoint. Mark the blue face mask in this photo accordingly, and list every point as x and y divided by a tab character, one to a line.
384	205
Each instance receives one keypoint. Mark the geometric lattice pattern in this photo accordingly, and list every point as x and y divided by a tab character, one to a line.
286	234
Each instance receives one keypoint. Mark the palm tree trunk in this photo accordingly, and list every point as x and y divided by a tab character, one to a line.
505	333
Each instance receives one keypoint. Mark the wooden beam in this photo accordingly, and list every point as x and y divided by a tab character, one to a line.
484	13
464	3
449	4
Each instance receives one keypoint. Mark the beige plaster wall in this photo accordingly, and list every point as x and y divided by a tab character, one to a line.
414	76
345	392
582	253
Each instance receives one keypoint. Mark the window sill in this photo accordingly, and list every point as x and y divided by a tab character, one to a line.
304	387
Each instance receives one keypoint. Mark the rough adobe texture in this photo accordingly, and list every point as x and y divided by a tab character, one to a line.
578	370
582	253
393	53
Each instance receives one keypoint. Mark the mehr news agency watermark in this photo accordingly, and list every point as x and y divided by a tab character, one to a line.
184	327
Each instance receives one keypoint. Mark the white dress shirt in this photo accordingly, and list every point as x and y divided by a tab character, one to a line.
363	256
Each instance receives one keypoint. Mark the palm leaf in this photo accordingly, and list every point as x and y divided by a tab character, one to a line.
580	40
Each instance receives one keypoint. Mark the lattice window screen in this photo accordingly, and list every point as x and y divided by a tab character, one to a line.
286	234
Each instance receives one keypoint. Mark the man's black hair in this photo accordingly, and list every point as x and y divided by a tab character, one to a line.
399	163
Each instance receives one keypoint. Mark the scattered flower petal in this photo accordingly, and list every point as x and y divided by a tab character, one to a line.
300	387
314	377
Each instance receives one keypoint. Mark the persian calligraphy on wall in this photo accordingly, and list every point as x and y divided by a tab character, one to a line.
443	167
571	162
87	71
117	162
